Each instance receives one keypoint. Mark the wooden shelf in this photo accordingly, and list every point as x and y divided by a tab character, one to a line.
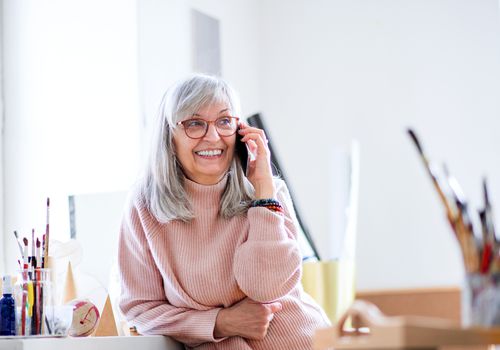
399	332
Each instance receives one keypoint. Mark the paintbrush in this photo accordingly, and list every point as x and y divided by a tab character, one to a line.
41	295
491	255
43	251
38	291
464	227
490	223
28	258
18	243
37	256
25	288
35	279
33	257
25	254
487	251
450	210
456	210
47	237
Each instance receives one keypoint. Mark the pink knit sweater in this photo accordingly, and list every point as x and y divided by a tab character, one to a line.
177	276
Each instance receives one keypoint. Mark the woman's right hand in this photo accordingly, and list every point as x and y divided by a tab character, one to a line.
247	319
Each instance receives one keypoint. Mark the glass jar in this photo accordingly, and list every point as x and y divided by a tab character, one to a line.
33	295
481	300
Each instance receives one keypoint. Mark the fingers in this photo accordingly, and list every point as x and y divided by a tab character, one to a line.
245	130
253	318
274	307
252	146
271	307
258	141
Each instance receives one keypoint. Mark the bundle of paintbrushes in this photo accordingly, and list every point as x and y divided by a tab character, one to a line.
479	244
33	290
480	250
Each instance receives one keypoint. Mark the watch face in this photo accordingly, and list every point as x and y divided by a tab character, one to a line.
85	318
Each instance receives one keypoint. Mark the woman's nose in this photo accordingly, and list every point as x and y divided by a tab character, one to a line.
212	133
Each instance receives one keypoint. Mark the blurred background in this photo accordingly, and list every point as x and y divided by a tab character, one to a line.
82	80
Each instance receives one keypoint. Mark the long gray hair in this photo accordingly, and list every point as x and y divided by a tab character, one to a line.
162	186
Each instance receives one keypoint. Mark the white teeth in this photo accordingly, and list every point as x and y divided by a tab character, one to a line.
210	153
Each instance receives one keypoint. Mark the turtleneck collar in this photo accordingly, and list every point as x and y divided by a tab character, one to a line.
205	195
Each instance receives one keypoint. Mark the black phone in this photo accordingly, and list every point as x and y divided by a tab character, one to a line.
241	151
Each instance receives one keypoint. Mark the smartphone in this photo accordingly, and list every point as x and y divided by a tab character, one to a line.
241	151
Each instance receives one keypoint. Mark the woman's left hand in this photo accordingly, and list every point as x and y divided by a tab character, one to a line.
259	169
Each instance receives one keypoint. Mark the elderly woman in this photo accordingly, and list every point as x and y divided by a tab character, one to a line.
208	254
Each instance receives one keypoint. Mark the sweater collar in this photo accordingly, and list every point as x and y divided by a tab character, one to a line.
199	192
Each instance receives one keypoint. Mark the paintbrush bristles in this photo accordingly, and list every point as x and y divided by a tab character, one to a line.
415	141
456	189
18	243
485	194
449	211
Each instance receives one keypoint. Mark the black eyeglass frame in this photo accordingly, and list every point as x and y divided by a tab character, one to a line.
208	122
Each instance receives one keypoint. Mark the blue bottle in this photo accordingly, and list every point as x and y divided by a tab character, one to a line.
7	309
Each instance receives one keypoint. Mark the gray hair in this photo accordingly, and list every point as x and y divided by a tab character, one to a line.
163	184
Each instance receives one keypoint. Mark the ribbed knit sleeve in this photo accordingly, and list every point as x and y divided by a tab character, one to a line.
143	300
268	265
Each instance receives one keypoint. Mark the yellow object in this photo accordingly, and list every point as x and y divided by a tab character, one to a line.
31	298
330	284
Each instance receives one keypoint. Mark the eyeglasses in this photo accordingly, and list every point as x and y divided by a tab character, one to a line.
196	128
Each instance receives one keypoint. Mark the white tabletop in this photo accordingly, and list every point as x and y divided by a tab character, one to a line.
91	343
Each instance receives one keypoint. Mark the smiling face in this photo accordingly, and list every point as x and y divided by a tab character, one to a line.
205	160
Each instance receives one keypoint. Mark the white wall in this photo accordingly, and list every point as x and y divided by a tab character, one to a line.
336	70
84	80
163	55
71	108
165	48
322	72
240	46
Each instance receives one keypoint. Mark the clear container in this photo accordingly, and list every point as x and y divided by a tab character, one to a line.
33	294
481	300
58	319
